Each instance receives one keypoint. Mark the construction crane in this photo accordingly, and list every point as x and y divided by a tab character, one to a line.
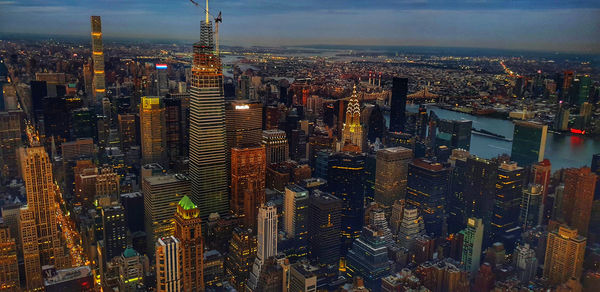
218	20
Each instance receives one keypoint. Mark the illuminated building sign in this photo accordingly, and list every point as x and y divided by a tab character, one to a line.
242	107
161	66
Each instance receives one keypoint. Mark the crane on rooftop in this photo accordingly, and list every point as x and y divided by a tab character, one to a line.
218	20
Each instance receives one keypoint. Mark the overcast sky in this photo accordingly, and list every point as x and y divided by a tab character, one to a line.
519	24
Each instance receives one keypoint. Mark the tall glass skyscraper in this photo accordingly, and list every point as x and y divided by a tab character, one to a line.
98	57
208	168
398	104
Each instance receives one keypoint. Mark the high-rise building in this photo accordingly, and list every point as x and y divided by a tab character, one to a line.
505	219
30	247
428	187
173	126
397	216
168	265
127	131
161	194
248	172
208	168
114	229
525	262
9	267
276	146
11	127
578	196
242	251
345	175
596	163
99	85
162	79
454	134
479	192
266	242
36	169
529	143
531	207
398	104
153	131
368	257
352	132
411	227
188	230
472	242
243	121
302	279
132	268
325	213
391	174
295	219
565	251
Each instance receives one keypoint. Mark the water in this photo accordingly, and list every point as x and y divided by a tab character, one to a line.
563	150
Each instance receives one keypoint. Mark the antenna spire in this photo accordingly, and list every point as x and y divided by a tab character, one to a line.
207	19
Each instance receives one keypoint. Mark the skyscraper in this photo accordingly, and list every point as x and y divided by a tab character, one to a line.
580	185
325	213
473	239
31	251
99	84
9	267
454	134
368	257
428	188
352	132
276	146
248	172
153	131
411	226
243	121
266	242
168	265
114	230
36	169
11	127
529	143
525	262
127	131
242	251
391	174
398	104
505	220
531	206
208	169
479	193
188	230
295	210
565	249
161	194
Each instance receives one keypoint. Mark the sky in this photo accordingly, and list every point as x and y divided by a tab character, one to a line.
549	25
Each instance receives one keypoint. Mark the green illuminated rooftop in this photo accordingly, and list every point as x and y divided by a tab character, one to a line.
186	203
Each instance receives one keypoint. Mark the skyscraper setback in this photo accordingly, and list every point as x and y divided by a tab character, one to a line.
208	169
99	85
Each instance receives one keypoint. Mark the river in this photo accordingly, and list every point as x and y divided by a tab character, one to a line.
563	150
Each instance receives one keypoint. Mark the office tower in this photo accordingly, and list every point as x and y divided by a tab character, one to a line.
134	215
11	127
411	227
31	252
153	131
479	191
302	279
565	250
248	172
83	123
168	265
325	214
505	218
525	262
541	176
9	267
472	243
243	122
83	147
295	211
208	169
375	216
580	89
97	185
114	229
131	268
73	279
271	277
98	58
561	120
36	169
374	122
127	131
213	268
398	104
345	180
442	276
242	251
397	216
454	134
266	243
368	257
188	230
529	143
578	196
391	174
427	189
173	133
531	207
276	146
162	79
161	194
352	132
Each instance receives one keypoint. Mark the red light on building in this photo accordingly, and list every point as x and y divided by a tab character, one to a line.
578	131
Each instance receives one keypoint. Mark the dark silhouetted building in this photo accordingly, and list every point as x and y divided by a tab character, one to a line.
398	104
